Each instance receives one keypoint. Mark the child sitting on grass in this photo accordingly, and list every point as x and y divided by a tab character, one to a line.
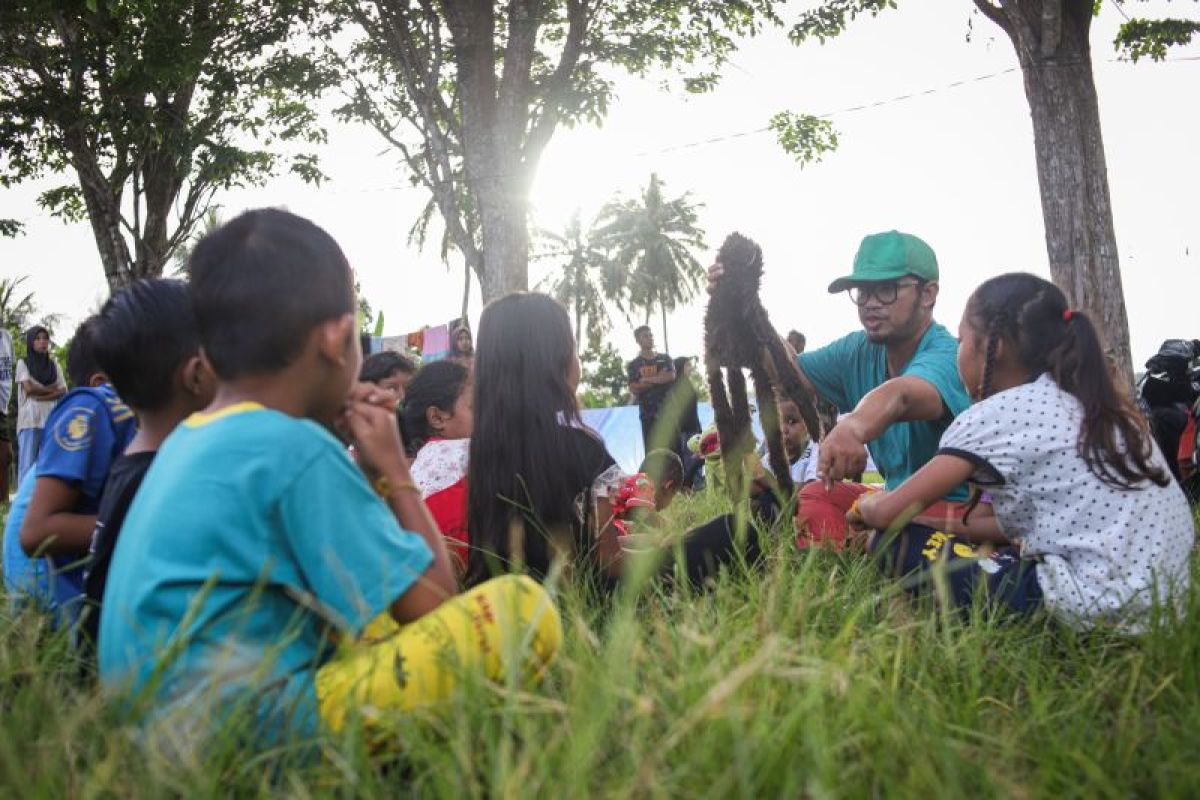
1102	532
147	344
49	527
436	423
665	468
255	544
389	370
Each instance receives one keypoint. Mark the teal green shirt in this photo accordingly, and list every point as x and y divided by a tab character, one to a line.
845	370
252	537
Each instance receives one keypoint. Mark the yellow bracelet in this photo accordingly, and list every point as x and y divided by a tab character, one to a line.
386	489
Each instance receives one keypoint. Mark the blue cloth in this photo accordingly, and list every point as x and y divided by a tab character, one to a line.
844	371
88	430
251	537
29	441
25	579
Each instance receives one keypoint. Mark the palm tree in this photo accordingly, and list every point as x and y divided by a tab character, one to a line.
16	309
652	239
587	276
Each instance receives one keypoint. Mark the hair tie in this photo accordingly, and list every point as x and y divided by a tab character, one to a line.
1067	315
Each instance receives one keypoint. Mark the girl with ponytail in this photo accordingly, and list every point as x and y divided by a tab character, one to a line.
1097	531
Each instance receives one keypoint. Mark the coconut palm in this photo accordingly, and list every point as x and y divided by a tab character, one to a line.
587	275
652	239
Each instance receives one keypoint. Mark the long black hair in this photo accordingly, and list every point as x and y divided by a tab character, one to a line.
437	384
524	406
40	365
1031	314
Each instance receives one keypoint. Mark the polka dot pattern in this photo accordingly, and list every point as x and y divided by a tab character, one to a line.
1107	553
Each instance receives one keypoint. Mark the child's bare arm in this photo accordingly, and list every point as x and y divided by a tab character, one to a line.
372	423
608	548
39	392
50	526
895	509
438	581
981	527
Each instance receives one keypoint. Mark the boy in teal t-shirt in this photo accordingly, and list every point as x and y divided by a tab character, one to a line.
256	551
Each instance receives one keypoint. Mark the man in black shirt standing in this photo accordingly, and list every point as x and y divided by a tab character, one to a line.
650	377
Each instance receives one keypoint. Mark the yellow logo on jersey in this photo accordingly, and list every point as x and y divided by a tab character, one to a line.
74	433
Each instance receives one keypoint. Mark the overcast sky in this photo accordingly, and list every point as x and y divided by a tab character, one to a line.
954	166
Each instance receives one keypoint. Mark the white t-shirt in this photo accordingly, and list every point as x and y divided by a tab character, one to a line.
1106	553
31	412
6	369
803	469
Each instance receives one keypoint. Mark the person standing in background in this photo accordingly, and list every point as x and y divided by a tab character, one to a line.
650	375
6	386
39	386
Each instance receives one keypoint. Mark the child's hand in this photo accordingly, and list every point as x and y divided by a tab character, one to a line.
862	515
370	417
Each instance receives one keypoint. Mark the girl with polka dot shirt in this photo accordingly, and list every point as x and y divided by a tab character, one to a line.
1085	518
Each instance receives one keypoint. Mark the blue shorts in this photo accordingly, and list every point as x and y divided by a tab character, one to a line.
918	554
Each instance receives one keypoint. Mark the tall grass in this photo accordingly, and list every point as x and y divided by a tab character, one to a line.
813	677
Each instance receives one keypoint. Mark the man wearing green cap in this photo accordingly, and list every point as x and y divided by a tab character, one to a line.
896	381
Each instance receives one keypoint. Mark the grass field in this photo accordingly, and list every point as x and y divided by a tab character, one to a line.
814	678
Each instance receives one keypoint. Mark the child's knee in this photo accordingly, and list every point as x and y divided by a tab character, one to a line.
529	609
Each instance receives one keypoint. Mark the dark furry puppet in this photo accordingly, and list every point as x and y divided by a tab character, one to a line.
738	335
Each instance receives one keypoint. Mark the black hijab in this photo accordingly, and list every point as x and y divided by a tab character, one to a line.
41	366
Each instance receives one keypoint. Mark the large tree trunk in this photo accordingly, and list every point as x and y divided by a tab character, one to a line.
1051	40
502	219
104	214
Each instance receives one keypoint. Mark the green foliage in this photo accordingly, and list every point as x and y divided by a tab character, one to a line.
652	239
154	105
11	228
804	136
183	253
587	279
1139	38
831	17
604	383
470	94
815	677
17	310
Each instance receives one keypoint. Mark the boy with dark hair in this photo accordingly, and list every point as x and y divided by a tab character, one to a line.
665	468
145	340
49	528
389	369
255	542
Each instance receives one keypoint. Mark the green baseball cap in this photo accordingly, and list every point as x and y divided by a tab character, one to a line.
888	256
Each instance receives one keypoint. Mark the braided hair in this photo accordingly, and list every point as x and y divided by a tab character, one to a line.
1031	315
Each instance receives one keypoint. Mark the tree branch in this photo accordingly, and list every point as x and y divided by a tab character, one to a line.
994	13
554	86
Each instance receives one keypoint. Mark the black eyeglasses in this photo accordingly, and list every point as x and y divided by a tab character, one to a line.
885	293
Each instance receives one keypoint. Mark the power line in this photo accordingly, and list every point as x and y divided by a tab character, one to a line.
886	102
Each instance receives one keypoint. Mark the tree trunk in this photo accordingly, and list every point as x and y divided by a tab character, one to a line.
502	219
1051	39
466	288
104	214
666	343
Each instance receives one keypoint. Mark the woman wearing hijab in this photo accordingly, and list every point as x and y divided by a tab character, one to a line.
39	385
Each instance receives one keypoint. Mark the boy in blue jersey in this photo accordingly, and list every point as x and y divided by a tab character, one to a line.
49	528
255	543
147	344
